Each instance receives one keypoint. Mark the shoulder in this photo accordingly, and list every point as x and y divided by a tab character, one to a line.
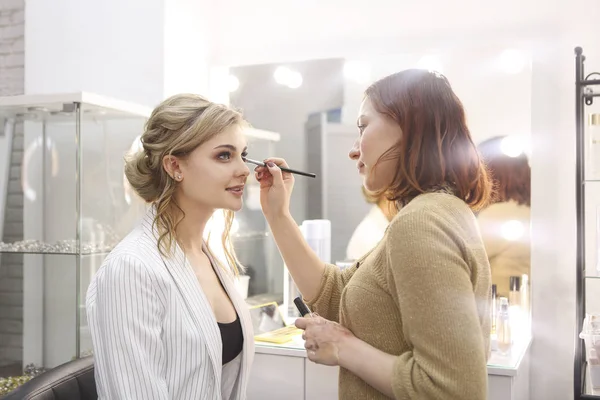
137	245
135	257
433	230
435	222
433	208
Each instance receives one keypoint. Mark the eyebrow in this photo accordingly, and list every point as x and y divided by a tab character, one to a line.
230	147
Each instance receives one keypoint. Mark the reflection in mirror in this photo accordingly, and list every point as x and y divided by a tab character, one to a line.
505	229
266	318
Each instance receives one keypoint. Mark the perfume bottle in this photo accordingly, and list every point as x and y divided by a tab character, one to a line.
525	304
494	317
598	239
494	308
514	295
503	327
514	306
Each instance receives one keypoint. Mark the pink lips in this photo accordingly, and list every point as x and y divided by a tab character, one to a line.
360	166
236	190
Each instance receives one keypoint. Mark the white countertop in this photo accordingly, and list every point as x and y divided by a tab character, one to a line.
498	364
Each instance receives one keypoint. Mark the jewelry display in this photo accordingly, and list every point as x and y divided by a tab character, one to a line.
61	247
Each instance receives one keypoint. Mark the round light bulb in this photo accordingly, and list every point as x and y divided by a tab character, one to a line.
512	230
512	146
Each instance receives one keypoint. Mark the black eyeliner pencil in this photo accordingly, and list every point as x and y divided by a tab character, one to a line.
291	171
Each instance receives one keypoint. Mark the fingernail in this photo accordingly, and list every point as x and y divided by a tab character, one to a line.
259	175
271	164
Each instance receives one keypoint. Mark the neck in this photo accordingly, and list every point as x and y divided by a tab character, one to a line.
387	208
190	230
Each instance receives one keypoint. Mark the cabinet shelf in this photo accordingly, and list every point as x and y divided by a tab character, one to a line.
65	247
55	253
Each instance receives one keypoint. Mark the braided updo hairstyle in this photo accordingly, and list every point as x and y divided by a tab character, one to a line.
176	127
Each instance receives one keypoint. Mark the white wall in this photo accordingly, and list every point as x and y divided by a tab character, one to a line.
496	96
186	47
313	29
113	48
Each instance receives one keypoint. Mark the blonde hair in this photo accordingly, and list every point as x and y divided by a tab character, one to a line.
177	127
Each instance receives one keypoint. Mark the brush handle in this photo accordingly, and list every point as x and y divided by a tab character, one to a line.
291	171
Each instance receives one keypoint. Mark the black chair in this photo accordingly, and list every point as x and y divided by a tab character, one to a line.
71	381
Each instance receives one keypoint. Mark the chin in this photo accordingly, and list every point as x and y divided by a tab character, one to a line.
369	185
235	207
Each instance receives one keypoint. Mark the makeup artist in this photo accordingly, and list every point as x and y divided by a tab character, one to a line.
166	319
410	320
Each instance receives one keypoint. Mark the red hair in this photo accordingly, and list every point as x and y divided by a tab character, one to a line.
511	175
435	150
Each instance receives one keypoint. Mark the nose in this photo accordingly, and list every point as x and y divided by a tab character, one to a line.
354	153
243	169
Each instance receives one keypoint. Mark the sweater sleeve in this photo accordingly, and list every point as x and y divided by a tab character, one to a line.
327	302
430	280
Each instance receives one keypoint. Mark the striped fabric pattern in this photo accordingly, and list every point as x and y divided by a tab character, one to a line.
154	334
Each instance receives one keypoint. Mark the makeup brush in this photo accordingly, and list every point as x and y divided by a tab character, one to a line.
291	171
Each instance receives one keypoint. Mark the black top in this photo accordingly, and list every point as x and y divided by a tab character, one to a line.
232	338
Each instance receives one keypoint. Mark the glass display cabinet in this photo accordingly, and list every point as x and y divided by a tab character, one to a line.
66	204
586	369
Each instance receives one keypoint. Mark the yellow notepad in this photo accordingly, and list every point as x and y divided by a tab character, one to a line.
279	336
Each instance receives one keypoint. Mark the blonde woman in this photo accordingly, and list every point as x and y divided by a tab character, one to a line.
165	318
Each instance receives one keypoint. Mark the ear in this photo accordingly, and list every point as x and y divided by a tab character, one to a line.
171	165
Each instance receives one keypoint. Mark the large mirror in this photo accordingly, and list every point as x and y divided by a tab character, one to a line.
313	105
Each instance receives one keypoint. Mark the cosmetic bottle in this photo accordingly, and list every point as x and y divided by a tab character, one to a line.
503	327
525	302
594	146
290	292
494	308
494	317
514	296
598	240
514	306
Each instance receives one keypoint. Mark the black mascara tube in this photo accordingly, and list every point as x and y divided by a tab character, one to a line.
302	308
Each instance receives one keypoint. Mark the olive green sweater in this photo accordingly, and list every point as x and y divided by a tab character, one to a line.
422	295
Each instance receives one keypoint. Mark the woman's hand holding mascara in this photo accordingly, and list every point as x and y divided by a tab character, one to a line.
275	187
324	339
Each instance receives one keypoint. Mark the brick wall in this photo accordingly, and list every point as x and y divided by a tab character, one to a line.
12	82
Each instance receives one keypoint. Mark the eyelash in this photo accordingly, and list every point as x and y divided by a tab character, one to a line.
228	154
361	128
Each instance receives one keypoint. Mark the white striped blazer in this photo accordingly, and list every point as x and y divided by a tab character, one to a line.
153	331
